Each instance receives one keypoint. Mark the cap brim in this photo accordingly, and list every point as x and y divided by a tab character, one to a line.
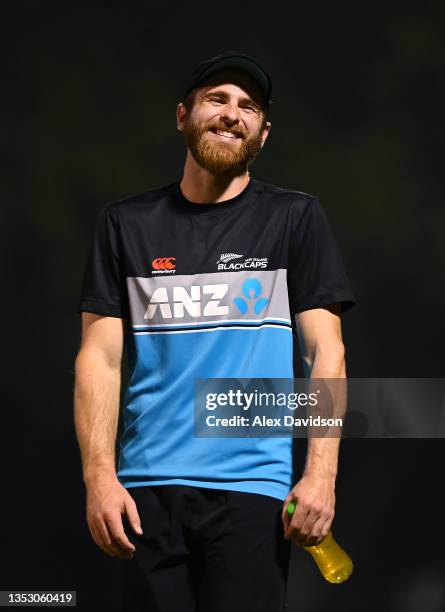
242	64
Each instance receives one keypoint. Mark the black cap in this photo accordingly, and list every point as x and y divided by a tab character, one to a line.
236	61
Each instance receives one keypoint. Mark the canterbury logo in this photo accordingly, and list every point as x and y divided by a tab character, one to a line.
163	263
225	257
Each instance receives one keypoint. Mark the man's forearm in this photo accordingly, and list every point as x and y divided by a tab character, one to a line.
96	413
322	453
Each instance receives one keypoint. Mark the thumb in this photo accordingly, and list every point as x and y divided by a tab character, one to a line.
132	513
286	519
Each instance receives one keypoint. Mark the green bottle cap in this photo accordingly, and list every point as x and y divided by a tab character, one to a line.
291	507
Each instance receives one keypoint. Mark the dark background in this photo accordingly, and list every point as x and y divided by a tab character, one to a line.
89	117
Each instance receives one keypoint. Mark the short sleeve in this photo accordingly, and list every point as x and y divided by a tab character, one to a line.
316	272
104	289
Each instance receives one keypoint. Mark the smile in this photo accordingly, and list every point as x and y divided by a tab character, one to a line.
225	135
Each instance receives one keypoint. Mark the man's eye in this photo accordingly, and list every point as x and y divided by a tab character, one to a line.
250	108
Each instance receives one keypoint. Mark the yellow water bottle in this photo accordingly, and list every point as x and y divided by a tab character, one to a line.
333	562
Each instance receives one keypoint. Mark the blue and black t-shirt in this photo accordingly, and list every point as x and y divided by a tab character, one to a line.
208	291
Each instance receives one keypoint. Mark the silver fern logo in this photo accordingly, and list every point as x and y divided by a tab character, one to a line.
226	257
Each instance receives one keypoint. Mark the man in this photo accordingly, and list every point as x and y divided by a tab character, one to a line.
206	278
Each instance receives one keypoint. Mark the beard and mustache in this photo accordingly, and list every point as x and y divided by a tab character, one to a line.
220	157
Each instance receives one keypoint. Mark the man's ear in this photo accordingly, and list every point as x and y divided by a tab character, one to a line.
181	113
265	133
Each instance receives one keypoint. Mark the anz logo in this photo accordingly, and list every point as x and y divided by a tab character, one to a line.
252	297
205	301
191	302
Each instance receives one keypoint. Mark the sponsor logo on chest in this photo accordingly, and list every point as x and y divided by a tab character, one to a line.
212	300
231	261
164	265
201	301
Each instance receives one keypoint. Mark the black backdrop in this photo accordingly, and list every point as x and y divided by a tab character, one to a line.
89	117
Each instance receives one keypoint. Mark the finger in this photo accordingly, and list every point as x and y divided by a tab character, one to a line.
317	531
286	521
118	535
118	550
326	527
133	515
298	528
297	521
299	536
112	546
315	536
313	526
100	541
307	528
95	536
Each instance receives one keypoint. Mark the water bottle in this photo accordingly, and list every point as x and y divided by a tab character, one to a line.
333	562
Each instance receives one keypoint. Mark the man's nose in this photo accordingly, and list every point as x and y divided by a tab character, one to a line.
230	113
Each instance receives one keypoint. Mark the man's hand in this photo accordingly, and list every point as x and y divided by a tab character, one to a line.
107	500
312	518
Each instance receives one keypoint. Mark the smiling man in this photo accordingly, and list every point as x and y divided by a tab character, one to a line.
207	277
241	131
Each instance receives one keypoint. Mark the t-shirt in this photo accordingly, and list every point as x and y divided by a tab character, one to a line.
208	291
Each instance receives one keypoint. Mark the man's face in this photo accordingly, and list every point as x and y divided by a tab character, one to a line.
225	127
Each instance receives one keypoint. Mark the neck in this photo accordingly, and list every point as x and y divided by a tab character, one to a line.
200	186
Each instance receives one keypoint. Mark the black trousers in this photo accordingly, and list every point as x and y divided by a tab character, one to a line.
205	550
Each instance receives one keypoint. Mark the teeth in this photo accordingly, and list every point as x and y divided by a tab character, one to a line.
227	134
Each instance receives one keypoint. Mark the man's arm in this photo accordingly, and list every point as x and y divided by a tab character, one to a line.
322	350
96	415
